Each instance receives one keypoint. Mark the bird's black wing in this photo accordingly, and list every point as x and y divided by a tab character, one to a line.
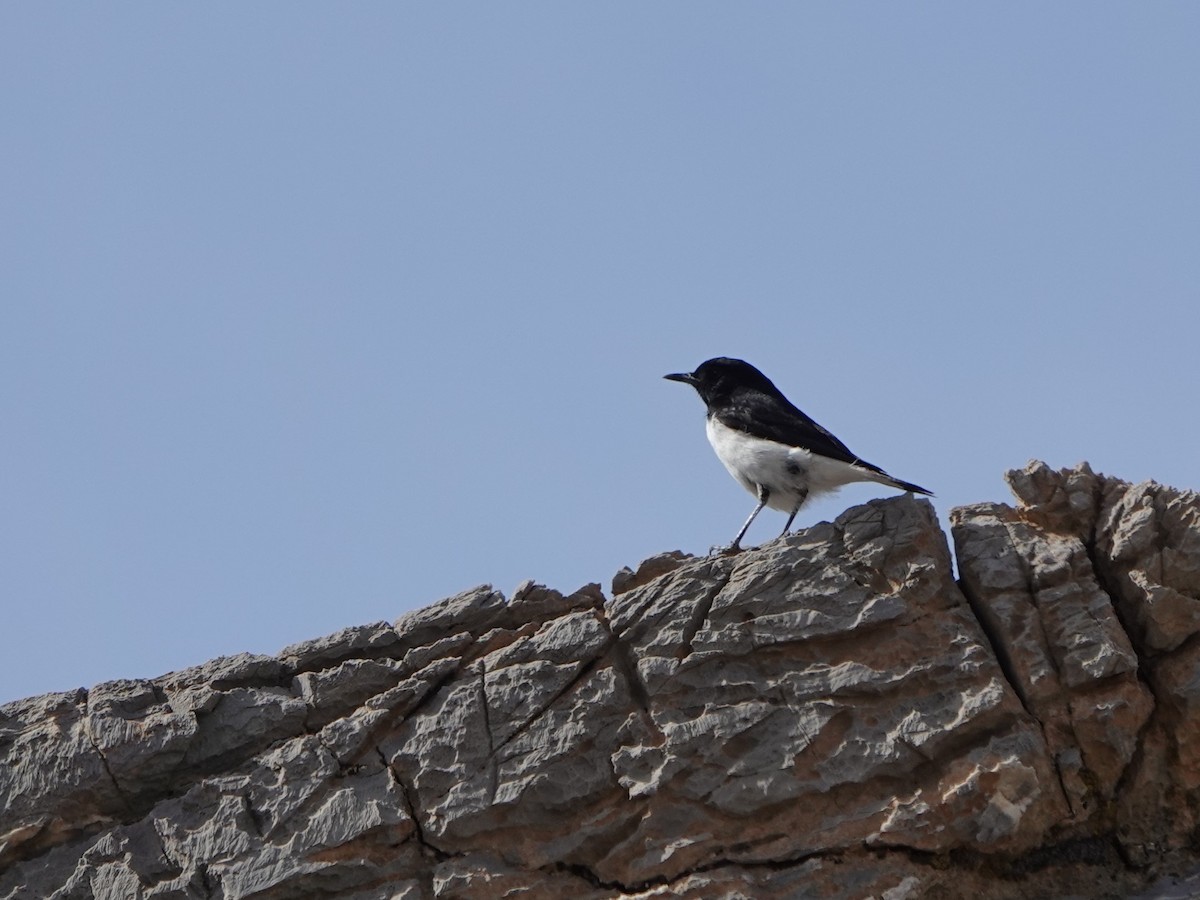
776	419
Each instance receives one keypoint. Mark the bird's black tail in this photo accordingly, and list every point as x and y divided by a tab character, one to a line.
909	486
876	474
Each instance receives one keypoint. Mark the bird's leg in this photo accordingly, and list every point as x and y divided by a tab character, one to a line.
795	509
763	496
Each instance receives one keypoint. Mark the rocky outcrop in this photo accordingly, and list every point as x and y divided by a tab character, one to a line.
831	715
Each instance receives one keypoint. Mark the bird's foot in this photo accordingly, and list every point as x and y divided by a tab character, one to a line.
726	550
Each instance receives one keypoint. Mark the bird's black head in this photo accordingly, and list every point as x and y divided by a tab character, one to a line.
717	380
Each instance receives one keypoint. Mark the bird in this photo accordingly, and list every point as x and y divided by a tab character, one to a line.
773	450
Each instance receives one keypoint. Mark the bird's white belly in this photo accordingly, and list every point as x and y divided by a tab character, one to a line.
790	473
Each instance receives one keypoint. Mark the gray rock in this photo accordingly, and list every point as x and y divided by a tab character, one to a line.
829	715
243	721
473	611
1132	736
336	692
1057	632
536	603
141	739
649	569
53	780
361	642
787	687
518	745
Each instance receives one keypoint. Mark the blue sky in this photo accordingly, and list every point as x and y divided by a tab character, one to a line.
317	313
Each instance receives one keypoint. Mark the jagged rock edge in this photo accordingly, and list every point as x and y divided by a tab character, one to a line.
617	649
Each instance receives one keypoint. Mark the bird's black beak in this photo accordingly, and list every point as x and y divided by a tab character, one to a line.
685	377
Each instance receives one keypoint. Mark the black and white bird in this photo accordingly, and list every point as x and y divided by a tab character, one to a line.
773	449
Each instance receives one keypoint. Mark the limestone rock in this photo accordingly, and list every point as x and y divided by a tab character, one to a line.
1057	633
1091	588
787	687
831	715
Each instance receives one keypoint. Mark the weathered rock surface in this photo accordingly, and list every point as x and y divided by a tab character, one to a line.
831	715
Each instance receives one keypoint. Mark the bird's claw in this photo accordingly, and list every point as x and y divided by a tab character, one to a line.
725	550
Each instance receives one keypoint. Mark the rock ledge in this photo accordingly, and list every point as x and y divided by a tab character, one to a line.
830	715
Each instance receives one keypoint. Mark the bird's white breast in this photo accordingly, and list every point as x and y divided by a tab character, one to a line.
789	473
